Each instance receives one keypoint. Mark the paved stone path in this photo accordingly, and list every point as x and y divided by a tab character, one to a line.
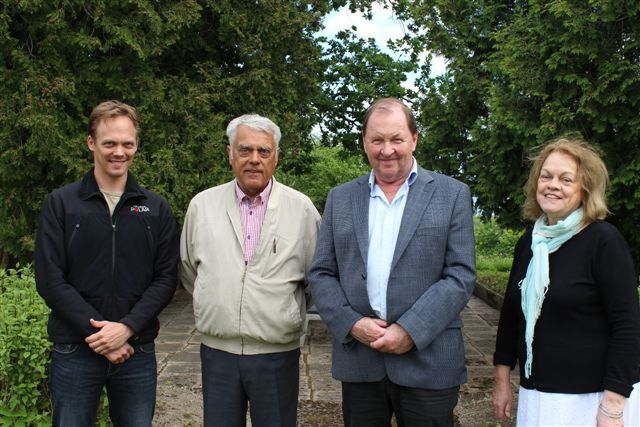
180	389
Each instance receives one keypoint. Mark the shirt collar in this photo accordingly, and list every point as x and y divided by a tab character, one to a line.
264	195
410	179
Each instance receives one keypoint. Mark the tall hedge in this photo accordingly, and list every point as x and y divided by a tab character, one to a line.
188	66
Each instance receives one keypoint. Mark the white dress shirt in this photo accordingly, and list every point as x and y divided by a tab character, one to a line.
384	224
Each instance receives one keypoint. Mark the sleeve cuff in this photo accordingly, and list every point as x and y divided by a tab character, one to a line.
502	359
617	386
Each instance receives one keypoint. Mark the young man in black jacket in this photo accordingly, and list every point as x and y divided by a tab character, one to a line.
106	259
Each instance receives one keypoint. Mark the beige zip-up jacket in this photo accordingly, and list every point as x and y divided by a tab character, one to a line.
261	307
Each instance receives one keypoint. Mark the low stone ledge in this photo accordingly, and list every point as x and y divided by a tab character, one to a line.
488	295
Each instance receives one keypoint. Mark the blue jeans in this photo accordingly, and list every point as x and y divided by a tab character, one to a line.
77	376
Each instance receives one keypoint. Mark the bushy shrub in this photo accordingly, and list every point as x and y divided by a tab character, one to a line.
494	240
24	350
331	167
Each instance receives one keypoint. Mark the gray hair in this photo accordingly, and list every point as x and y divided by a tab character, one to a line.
254	121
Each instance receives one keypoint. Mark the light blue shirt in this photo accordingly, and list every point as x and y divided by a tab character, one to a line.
384	225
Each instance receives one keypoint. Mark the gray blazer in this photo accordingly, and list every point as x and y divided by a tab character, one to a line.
432	278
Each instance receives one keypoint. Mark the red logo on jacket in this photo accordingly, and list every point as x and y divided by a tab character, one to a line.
139	208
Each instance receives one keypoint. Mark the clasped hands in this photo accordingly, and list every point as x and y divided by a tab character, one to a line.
111	340
375	333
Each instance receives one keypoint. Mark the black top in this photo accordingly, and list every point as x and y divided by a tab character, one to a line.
90	264
587	337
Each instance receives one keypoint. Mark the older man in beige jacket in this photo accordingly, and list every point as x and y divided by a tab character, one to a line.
246	249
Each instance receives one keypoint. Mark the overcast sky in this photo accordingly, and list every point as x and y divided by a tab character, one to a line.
383	27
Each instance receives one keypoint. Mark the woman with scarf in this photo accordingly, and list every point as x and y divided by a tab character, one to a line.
570	315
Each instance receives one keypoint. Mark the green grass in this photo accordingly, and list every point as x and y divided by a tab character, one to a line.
493	272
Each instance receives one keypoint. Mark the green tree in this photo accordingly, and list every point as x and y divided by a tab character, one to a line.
520	73
332	166
357	73
188	66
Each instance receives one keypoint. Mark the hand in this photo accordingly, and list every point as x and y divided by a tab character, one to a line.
120	355
368	329
110	337
502	394
614	403
396	340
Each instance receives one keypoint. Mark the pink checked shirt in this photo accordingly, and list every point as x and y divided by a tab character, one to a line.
251	215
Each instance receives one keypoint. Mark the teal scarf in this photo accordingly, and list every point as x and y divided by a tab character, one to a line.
545	240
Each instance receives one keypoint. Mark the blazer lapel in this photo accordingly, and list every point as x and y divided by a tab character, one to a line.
418	198
360	212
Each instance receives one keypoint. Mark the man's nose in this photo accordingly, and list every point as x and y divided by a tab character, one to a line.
254	157
386	148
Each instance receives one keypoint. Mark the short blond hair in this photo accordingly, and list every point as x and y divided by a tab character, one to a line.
592	176
109	110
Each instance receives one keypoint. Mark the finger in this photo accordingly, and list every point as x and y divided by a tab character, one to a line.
99	349
380	322
93	337
380	344
97	323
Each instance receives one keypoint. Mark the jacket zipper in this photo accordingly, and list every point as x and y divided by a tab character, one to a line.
244	275
73	235
113	256
113	220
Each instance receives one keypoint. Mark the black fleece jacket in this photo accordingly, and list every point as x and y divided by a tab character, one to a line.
91	265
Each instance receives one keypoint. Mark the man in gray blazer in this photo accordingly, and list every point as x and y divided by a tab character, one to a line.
394	267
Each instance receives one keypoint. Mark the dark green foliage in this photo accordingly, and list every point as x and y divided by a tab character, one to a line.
188	66
357	74
520	73
24	350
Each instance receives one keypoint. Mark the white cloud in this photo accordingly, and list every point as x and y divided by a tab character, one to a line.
438	65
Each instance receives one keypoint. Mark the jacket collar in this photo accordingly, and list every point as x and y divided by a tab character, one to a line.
89	186
418	198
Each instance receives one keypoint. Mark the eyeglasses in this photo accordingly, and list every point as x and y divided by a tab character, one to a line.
246	151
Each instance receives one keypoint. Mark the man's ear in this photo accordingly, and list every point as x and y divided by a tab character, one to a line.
91	143
229	154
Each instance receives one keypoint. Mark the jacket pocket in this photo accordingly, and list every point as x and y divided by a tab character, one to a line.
65	349
76	227
273	311
147	348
